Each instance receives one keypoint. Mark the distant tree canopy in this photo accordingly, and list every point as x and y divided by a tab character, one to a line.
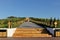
12	17
15	19
50	21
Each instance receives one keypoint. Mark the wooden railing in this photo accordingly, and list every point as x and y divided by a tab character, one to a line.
40	22
3	33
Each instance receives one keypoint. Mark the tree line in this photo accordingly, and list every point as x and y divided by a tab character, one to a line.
15	21
49	21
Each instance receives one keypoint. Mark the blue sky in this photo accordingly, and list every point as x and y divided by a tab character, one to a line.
30	8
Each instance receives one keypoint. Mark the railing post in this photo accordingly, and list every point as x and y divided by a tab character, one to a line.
9	24
55	24
54	33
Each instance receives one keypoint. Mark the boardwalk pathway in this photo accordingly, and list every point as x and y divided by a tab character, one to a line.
29	25
29	29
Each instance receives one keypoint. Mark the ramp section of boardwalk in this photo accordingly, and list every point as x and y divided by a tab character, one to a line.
31	32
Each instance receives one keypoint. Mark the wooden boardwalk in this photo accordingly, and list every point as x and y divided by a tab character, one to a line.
31	32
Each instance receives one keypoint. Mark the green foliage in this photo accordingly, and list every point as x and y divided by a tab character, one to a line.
3	26
46	21
14	20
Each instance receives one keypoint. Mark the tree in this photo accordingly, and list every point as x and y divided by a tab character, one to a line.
11	17
51	21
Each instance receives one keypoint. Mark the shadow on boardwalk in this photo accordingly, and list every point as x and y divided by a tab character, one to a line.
46	29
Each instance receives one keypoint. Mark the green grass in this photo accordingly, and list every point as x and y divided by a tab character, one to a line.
3	26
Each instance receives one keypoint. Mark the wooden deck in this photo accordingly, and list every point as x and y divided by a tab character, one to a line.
31	32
